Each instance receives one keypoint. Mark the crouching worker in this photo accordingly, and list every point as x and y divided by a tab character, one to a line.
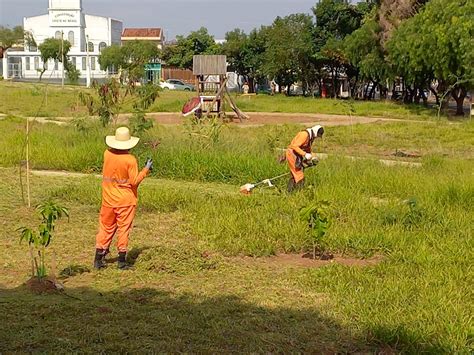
120	180
299	153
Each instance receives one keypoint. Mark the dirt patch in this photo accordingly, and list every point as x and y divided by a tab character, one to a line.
256	119
261	118
303	260
45	285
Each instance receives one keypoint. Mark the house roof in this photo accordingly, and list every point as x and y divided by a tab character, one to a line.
142	32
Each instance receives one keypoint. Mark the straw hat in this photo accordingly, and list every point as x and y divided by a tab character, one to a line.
122	139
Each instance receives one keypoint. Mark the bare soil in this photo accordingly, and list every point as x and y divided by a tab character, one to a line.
256	119
306	260
45	285
261	118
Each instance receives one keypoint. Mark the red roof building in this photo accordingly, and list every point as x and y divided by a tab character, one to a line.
144	34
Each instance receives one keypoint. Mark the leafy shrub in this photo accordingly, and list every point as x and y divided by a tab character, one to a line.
317	220
50	212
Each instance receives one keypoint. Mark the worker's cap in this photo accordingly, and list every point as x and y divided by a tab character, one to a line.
122	139
317	130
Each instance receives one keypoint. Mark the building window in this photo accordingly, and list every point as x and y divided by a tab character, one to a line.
56	65
73	61
84	63
92	63
70	37
27	63
102	46
90	47
37	64
58	35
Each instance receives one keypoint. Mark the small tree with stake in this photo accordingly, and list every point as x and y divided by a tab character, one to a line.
39	240
317	221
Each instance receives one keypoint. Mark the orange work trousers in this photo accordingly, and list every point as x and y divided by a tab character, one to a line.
112	220
297	173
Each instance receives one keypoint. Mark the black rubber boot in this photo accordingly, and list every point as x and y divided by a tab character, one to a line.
99	260
293	186
122	261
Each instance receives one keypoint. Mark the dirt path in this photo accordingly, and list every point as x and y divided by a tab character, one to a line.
256	119
262	118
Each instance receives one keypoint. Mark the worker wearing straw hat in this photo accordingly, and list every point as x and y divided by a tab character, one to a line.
298	152
120	182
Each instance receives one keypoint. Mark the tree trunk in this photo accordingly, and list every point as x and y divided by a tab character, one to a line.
372	91
458	95
382	91
366	91
394	94
408	96
251	85
424	97
435	93
353	87
417	96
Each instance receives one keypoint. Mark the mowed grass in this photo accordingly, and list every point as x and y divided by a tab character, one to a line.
27	99
191	292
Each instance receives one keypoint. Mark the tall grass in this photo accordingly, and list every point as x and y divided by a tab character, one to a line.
240	155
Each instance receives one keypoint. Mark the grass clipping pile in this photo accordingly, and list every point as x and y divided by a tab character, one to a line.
178	261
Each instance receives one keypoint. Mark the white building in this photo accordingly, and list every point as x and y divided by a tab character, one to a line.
87	34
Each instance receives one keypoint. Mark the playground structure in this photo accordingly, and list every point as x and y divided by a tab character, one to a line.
211	84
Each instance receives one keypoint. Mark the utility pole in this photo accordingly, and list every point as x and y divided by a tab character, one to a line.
88	64
62	58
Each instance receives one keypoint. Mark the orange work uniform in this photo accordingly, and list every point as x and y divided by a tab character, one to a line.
300	145
120	180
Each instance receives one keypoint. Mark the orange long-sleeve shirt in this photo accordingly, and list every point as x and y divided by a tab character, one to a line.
301	143
120	179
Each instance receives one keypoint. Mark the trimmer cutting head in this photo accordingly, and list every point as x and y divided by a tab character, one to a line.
247	189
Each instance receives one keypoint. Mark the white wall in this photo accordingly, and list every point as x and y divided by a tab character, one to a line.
65	4
97	28
38	26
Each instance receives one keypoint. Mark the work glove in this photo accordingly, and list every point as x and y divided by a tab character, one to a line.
308	156
149	164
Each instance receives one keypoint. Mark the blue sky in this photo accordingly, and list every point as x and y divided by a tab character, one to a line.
174	16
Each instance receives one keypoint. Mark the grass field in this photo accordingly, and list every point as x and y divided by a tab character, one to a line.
27	99
192	289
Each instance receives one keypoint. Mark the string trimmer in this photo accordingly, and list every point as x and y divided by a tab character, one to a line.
248	188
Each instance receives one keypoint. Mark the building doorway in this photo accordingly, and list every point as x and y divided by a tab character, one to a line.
153	73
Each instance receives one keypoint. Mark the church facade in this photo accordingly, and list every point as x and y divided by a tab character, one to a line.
88	35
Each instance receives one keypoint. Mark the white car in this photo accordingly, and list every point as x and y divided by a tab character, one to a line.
174	84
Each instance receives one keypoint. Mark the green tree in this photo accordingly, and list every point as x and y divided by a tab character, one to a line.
130	59
289	47
54	49
335	19
112	58
9	37
364	51
438	41
339	18
245	53
136	54
197	42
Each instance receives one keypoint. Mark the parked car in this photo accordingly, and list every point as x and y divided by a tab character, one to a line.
175	84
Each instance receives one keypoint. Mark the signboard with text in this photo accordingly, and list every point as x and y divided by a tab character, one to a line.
63	18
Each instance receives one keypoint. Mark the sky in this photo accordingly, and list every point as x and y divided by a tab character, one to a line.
176	17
